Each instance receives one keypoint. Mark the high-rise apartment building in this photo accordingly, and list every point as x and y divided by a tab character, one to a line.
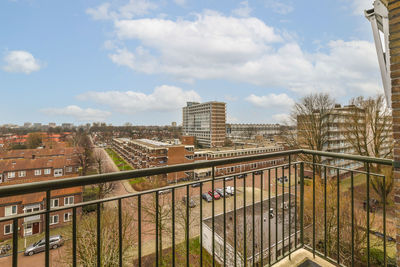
337	136
205	121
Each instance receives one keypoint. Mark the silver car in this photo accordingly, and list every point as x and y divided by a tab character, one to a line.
55	242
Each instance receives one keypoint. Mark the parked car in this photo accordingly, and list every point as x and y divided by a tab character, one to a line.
196	185
221	192
166	191
271	213
229	178
192	203
258	172
230	190
373	205
214	194
55	242
206	197
241	176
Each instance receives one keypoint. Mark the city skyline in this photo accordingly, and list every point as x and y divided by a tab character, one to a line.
118	64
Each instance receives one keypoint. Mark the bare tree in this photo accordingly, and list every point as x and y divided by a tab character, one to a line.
83	152
369	132
87	241
102	189
158	213
311	115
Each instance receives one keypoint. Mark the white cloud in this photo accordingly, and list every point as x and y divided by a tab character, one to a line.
359	6
180	2
20	61
132	9
163	98
282	118
214	46
271	101
278	6
78	113
243	10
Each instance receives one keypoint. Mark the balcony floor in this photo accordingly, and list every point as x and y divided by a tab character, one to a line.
300	256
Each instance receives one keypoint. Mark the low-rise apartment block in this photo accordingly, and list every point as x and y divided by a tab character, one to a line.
250	130
145	153
237	167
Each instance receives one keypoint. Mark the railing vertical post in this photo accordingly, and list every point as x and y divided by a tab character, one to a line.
283	210
47	234
253	221
368	209
224	192
384	223
120	230
338	217
74	237
244	222
187	225
290	207
302	203
352	218
269	218
295	205
201	224
98	234
234	222
262	218
313	205
139	203
213	214
276	214
157	230
15	243
325	230
173	226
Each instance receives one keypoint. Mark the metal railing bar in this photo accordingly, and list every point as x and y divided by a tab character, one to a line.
349	156
15	243
262	218
344	169
253	219
98	232
244	223
187	225
47	233
173	226
338	216
120	231
313	204
157	230
139	205
201	224
234	222
213	214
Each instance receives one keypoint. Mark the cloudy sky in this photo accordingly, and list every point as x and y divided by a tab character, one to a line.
139	61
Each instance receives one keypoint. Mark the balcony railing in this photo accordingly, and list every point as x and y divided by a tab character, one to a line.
255	229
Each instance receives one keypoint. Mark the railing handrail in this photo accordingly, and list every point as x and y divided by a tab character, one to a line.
42	186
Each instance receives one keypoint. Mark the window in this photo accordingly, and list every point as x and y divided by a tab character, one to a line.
53	219
11	175
58	172
8	229
69	169
68	200
47	171
67	217
38	172
54	203
21	173
11	210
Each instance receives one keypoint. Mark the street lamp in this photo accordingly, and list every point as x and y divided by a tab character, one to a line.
378	16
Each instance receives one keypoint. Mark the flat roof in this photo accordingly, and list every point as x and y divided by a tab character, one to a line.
258	218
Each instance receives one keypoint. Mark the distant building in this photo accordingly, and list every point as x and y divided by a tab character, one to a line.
205	121
27	124
173	124
52	125
67	125
145	153
249	130
37	125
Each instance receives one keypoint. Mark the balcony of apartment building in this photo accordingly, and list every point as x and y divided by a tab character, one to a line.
275	216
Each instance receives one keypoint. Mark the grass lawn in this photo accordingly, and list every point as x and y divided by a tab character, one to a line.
359	179
121	163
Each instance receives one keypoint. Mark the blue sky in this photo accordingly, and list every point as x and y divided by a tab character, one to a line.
139	61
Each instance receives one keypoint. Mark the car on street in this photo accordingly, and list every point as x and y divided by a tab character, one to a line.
55	242
241	176
192	203
220	191
214	194
166	191
258	172
229	178
230	190
206	197
196	185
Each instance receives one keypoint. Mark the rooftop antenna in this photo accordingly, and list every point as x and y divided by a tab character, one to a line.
378	16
